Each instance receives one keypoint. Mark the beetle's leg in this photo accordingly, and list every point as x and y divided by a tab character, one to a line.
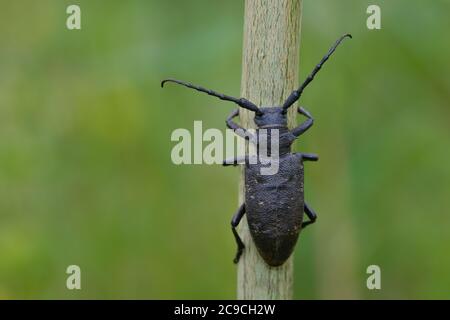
234	161
305	125
247	135
311	215
234	223
240	160
309	157
244	103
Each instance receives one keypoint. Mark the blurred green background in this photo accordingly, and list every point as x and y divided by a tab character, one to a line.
85	170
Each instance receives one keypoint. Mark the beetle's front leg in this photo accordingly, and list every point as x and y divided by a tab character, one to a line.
311	215
243	133
305	125
234	223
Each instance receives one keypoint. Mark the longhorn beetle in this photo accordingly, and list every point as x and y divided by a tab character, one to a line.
274	203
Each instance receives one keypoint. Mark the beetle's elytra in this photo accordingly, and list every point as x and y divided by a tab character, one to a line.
274	203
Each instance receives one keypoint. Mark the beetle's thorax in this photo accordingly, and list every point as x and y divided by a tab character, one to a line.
272	126
270	138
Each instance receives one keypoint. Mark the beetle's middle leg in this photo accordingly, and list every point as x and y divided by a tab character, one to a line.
309	157
234	223
311	215
240	160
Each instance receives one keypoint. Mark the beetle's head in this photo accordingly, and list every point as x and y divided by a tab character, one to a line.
272	117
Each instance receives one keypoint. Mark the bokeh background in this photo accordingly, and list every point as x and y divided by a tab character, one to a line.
85	170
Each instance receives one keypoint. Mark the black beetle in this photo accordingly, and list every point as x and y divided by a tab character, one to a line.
274	203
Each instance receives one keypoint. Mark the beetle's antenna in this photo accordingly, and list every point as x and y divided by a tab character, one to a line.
295	95
244	103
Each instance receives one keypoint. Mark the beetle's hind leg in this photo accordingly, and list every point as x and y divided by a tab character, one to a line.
311	215
234	223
